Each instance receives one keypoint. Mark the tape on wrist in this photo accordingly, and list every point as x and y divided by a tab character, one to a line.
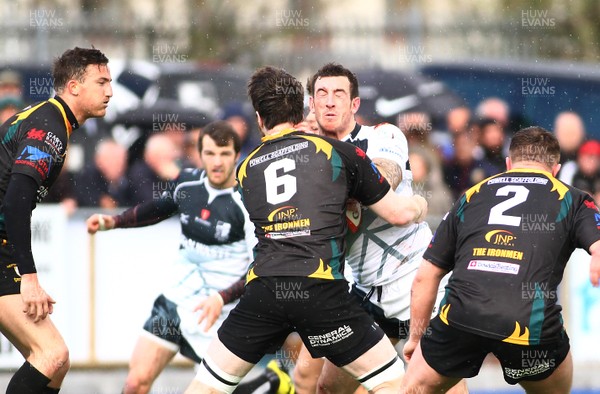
101	223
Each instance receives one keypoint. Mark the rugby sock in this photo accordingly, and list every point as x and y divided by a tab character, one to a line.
28	380
50	390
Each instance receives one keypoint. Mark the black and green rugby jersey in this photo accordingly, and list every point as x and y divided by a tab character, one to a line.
507	240
295	187
34	142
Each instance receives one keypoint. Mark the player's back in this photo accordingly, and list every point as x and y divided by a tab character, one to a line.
513	234
295	187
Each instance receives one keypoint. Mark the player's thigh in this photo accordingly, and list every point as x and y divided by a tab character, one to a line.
227	360
382	356
28	337
150	356
336	380
306	372
559	382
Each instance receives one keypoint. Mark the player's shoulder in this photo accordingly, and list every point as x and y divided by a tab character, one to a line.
382	130
191	175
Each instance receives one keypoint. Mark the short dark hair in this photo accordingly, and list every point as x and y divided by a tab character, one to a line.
335	70
277	96
535	144
222	133
72	64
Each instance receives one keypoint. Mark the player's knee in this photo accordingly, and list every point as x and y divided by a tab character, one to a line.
137	382
52	361
213	376
386	376
303	380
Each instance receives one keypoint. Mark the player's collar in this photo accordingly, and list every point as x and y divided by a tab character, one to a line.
352	136
70	119
279	134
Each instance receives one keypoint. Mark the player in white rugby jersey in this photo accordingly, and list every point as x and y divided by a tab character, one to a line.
384	259
215	251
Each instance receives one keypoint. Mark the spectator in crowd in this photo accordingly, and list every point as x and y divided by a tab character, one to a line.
150	177
10	84
417	127
587	176
9	106
464	170
240	119
428	182
492	141
190	149
494	108
458	120
11	94
570	133
103	182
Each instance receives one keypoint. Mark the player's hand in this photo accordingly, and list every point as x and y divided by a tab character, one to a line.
409	348
36	303
422	204
99	222
211	308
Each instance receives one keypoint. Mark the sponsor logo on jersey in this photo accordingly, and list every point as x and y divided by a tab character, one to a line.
597	217
54	142
222	231
494	266
33	157
494	252
500	237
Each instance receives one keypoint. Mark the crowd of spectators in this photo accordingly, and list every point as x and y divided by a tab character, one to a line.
445	163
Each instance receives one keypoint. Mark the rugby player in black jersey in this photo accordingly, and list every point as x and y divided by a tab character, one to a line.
295	187
33	149
507	241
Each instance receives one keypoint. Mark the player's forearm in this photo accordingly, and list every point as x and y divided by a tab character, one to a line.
145	214
234	291
400	210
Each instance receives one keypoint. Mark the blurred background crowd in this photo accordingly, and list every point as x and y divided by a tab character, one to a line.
181	64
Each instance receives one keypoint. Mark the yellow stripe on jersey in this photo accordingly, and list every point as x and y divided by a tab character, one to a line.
25	114
320	144
444	313
242	173
64	115
321	272
516	337
250	275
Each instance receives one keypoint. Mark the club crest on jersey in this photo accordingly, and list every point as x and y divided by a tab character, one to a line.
353	215
590	205
35	134
360	153
204	214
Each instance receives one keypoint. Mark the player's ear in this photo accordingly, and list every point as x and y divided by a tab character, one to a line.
556	169
508	164
73	87
355	105
311	103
